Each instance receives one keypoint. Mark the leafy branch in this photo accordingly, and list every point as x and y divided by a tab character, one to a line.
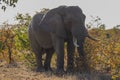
5	3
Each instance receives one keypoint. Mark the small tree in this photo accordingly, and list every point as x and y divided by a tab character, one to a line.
5	3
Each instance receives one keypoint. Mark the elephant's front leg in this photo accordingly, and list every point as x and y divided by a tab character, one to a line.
80	42
59	47
70	55
82	54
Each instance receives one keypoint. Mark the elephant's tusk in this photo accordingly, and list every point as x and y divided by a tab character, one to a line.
75	42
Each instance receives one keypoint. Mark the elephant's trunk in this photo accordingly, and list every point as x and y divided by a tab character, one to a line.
90	37
75	41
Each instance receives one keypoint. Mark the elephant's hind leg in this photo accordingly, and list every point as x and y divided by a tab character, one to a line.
38	53
49	53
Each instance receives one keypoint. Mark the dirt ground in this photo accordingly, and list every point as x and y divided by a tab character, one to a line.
20	72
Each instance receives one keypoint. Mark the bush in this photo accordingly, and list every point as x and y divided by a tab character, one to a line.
103	56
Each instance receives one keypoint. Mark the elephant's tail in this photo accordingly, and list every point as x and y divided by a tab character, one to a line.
90	37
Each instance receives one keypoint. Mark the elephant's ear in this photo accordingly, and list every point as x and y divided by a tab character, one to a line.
60	27
53	23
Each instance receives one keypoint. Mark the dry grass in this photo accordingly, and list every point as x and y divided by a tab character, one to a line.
20	72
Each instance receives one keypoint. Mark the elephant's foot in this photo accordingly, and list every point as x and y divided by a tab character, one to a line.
48	69
69	70
40	69
60	71
86	68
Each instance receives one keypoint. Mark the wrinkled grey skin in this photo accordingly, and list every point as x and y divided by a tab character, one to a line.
48	33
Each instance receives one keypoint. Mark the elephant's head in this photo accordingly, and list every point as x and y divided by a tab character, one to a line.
62	19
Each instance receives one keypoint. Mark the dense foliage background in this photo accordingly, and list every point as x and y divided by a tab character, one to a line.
102	56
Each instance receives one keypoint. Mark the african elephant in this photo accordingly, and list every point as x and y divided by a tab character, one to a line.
48	32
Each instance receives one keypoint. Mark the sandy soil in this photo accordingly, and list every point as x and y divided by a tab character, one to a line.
20	72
